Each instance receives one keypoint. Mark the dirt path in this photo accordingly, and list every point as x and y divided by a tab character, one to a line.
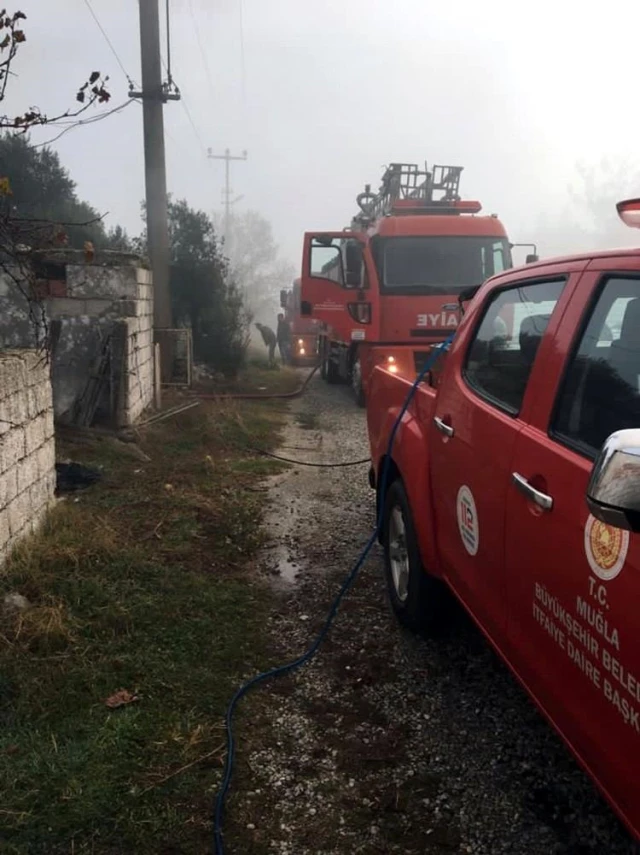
386	743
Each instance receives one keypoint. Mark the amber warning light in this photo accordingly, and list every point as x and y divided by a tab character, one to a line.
629	212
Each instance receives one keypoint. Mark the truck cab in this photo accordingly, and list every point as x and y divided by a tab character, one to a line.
393	278
514	483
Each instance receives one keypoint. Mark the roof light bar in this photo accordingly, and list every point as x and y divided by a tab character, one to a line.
629	212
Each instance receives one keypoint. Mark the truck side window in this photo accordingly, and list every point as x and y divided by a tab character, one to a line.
502	352
600	393
325	260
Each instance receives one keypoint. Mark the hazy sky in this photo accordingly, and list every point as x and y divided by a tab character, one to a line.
324	94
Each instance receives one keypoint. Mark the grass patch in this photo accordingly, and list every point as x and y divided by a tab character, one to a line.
258	378
137	583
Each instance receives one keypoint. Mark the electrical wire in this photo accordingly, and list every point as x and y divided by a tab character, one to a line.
168	23
242	58
80	122
218	841
109	42
193	124
205	62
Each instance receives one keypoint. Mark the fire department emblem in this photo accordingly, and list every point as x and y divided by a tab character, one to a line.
606	548
467	520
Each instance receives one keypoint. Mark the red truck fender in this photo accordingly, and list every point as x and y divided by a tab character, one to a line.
410	462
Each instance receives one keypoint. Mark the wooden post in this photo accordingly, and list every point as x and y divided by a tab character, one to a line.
157	376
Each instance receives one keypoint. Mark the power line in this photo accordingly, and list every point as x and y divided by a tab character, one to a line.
109	42
202	52
76	124
242	58
193	125
168	22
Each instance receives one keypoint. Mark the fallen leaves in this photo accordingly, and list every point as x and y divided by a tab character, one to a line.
121	698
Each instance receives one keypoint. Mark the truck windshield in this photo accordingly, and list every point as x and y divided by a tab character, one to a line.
438	265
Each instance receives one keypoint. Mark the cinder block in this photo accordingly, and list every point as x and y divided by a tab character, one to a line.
102	282
46	459
49	426
145	292
14	410
19	513
12	448
36	433
5	532
39	495
144	276
13	373
44	397
97	308
67	307
8	487
26	473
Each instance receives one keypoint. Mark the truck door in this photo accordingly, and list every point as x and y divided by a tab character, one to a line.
481	408
333	284
573	583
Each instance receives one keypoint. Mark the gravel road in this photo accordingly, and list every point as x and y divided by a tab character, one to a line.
386	743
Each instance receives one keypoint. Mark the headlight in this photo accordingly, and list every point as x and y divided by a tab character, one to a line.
300	341
302	351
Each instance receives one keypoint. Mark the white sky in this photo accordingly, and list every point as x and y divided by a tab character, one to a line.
516	92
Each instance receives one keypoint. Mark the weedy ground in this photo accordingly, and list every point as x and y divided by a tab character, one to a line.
140	583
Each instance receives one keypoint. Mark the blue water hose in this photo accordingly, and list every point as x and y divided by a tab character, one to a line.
218	844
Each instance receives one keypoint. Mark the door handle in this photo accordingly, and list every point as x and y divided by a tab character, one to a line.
444	428
541	499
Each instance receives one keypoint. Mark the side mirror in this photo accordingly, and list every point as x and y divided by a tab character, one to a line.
353	263
613	494
283	298
531	259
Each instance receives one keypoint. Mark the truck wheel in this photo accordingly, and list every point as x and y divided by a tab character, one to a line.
419	600
356	382
332	375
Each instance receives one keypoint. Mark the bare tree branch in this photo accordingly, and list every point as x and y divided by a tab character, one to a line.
12	36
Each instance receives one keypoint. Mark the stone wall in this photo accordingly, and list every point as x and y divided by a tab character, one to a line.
27	450
90	307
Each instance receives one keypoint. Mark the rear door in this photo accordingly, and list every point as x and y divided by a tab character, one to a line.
333	284
573	584
481	408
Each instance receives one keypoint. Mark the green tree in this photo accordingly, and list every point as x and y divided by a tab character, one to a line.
42	190
256	264
204	294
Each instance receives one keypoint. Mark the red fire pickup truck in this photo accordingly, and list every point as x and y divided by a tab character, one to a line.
514	481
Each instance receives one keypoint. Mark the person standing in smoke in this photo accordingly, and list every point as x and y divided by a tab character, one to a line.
284	339
269	338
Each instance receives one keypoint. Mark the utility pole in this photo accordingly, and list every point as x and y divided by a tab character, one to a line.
154	95
227	157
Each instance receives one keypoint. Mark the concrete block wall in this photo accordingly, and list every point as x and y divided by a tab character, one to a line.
138	389
27	448
88	302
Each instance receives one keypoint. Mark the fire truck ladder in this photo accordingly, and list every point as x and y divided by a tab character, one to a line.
407	181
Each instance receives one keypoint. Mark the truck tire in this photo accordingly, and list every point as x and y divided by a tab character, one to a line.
356	382
332	374
418	600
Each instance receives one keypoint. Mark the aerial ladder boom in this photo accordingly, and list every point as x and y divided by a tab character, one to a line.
406	187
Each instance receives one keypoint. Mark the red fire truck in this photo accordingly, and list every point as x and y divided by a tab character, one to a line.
393	277
304	331
514	482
